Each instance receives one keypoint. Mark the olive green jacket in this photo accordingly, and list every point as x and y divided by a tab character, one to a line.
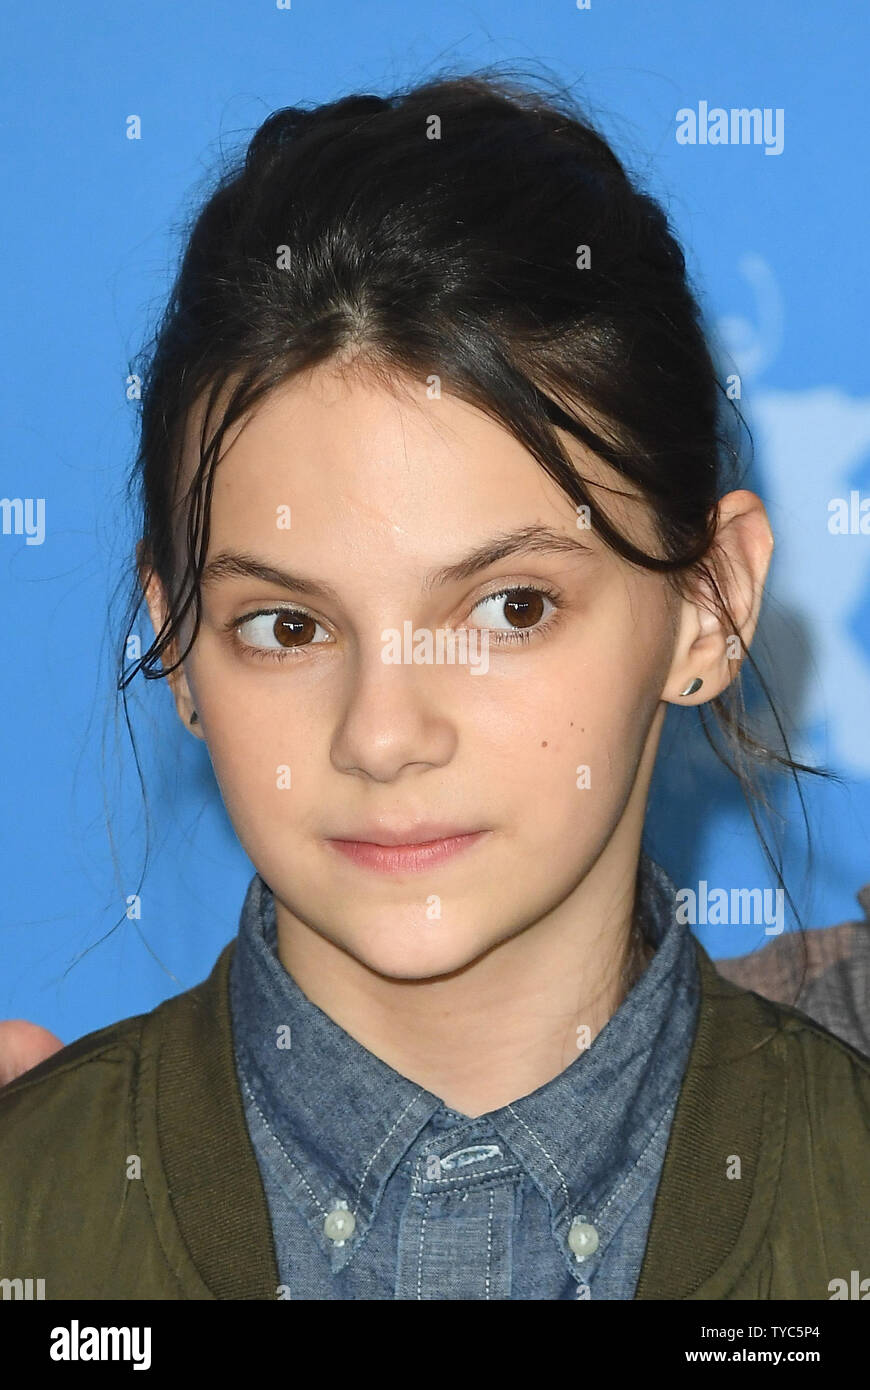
126	1170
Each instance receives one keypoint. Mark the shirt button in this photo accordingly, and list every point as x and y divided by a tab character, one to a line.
339	1225
582	1238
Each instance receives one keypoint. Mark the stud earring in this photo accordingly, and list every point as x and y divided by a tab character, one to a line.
690	689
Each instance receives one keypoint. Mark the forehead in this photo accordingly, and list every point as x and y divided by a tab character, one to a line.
351	439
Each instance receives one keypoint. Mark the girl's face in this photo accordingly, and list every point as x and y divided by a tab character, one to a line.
546	749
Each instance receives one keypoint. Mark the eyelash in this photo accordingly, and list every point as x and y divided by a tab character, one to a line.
501	638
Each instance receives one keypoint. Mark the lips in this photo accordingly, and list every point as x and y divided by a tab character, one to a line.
423	833
405	858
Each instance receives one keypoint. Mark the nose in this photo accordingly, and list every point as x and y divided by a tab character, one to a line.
395	716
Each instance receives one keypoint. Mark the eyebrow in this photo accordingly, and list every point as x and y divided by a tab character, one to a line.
536	539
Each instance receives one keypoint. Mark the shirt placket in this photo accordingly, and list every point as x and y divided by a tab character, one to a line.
455	1235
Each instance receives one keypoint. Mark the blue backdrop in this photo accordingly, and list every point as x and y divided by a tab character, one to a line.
775	233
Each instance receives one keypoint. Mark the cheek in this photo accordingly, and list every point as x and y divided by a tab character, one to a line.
263	755
570	750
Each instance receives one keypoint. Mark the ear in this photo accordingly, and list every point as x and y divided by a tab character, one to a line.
155	599
740	559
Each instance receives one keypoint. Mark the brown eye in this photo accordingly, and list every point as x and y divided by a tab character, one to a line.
294	629
515	610
277	630
524	612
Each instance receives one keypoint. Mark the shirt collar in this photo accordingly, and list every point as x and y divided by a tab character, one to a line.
345	1119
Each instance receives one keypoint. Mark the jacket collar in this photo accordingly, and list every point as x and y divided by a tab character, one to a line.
731	1110
719	1176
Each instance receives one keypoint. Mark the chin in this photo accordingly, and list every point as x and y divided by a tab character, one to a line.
418	960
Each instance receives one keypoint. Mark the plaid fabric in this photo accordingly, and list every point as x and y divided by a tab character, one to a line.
824	972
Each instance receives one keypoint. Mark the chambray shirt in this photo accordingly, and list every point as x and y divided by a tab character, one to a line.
378	1190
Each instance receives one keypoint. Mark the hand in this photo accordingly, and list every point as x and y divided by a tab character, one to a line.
22	1046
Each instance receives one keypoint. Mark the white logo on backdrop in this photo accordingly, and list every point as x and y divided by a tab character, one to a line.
811	447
